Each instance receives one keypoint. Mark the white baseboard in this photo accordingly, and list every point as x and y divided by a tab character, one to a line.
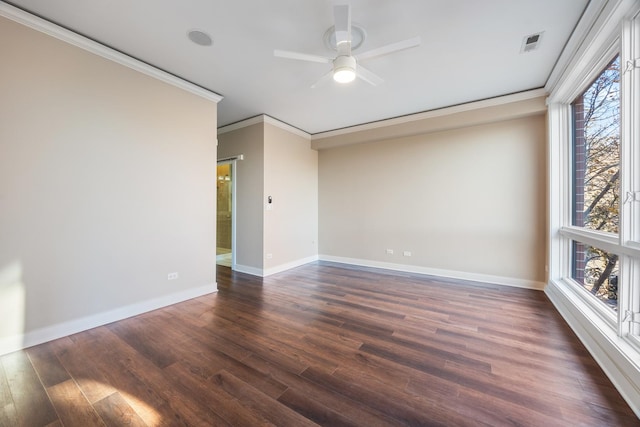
476	277
248	270
289	265
273	270
499	280
618	359
49	333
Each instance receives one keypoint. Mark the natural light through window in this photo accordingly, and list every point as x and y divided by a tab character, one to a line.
145	411
596	181
597	271
12	307
596	153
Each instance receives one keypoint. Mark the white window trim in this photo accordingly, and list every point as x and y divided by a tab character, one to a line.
606	241
606	29
630	224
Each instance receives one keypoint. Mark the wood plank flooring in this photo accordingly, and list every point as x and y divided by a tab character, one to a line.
323	344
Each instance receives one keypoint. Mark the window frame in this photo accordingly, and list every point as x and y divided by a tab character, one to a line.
603	240
620	35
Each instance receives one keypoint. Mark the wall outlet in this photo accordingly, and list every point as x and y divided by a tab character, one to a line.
389	251
269	256
406	253
172	276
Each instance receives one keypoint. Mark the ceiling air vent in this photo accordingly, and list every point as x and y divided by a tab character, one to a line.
531	42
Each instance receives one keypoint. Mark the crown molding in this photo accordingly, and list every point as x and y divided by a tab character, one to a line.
263	118
282	125
500	108
577	39
241	124
476	105
492	102
595	39
20	16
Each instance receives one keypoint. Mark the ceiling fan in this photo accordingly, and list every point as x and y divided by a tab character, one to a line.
345	66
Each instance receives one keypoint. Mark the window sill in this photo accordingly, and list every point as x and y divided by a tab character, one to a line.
575	291
617	356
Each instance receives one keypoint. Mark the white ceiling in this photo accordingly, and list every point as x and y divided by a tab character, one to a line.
470	51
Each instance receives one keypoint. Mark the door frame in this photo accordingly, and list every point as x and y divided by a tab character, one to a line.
234	165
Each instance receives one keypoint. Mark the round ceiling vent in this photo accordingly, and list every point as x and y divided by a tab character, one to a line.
358	35
199	37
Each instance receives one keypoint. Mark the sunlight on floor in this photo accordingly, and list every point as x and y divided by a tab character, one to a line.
12	307
224	259
146	412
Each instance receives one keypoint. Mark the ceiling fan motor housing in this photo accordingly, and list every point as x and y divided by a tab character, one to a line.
344	68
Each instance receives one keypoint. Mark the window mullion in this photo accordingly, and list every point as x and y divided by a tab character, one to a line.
606	241
630	133
559	116
629	293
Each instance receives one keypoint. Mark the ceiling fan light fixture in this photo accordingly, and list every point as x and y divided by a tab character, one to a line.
344	75
344	69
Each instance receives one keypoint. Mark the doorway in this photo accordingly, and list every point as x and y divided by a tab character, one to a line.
225	220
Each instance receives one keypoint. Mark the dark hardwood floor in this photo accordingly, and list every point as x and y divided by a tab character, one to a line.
321	344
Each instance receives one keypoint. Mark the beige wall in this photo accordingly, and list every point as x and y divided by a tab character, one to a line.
470	201
280	164
247	141
291	179
107	184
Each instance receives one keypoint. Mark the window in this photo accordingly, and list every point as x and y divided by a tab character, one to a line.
594	176
596	152
597	272
596	181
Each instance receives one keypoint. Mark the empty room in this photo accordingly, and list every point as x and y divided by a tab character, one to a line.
336	213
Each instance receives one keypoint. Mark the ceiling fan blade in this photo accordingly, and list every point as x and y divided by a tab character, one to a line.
390	48
302	56
369	77
323	80
342	25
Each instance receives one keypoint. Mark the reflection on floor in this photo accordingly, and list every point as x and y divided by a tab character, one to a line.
223	257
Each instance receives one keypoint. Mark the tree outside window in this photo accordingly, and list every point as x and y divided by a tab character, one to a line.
596	180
